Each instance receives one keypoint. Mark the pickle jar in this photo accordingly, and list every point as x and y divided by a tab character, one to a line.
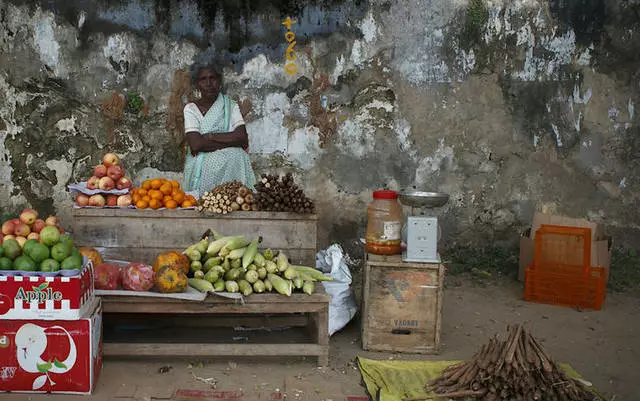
384	224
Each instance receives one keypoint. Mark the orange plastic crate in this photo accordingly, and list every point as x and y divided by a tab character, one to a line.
571	286
560	247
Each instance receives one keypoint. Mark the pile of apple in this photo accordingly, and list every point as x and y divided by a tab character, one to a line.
27	226
107	176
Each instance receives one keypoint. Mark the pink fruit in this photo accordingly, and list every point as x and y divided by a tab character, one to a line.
38	225
106	184
100	170
97	200
21	241
115	173
112	200
51	221
110	159
124	200
28	216
93	182
35	236
16	221
137	277
124	183
82	200
8	227
22	230
107	276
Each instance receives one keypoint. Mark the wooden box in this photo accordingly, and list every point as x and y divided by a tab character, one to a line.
140	235
402	305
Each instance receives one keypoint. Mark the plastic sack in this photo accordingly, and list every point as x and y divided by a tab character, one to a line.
342	307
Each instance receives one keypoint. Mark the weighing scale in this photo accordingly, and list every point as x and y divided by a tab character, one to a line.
422	233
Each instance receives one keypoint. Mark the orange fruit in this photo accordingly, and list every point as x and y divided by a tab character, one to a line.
155	194
178	196
166	189
146	184
155	204
146	198
142	192
135	198
191	199
156	183
171	204
175	184
187	203
142	204
166	199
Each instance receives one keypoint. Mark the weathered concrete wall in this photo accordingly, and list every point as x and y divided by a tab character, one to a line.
509	106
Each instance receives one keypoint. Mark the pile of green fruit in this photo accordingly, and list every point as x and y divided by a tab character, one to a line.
234	264
51	253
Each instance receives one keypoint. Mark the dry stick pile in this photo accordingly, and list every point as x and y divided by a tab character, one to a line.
515	369
227	198
281	194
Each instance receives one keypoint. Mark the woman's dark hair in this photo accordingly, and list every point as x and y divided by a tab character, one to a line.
199	66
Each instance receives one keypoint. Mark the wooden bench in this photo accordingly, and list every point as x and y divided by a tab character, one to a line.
140	235
187	336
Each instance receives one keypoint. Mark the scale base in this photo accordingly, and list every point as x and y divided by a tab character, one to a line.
418	260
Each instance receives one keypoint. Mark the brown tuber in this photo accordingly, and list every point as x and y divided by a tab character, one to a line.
226	198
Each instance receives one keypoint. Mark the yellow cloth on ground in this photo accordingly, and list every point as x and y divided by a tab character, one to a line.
399	380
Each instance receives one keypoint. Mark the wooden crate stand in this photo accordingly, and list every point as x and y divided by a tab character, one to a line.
311	311
402	305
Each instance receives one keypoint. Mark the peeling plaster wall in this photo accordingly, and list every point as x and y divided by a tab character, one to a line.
512	107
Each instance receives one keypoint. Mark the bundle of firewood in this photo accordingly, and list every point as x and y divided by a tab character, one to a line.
226	198
515	369
281	194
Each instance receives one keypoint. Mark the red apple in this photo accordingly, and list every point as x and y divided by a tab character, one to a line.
106	184
8	228
110	159
115	173
93	182
112	200
22	230
38	225
124	183
21	241
100	170
82	200
35	236
6	237
15	221
28	216
51	221
97	200
124	200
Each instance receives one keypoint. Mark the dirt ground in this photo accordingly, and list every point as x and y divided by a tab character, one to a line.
603	346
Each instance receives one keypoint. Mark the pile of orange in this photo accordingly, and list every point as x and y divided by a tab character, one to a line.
158	192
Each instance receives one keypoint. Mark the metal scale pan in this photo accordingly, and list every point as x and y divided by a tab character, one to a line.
422	232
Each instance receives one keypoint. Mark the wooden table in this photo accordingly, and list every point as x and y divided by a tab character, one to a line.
140	235
258	310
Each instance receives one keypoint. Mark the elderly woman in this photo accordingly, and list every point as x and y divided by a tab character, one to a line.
216	135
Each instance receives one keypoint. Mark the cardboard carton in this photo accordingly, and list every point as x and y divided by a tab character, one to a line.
48	298
51	356
600	246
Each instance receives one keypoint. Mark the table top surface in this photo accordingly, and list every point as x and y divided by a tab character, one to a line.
188	214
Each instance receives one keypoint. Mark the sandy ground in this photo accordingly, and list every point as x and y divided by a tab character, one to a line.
603	346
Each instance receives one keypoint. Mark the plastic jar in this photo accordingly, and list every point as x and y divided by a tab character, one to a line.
384	224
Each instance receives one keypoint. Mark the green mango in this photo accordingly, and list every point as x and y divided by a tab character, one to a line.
25	263
11	248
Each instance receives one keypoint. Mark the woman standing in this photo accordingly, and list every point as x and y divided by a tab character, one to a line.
216	135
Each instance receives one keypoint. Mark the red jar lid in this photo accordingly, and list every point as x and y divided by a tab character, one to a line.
385	194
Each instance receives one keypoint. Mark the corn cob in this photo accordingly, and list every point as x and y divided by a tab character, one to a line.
290	273
267	285
233	274
258	286
268	254
251	276
281	285
316	274
212	276
262	273
250	254
237	253
218	286
297	283
193	255
305	276
271	267
308	287
236	263
195	266
200	285
202	246
232	244
259	260
211	262
231	286
215	246
199	274
282	261
245	287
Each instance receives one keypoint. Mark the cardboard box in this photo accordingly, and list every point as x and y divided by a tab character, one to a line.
600	246
51	356
47	298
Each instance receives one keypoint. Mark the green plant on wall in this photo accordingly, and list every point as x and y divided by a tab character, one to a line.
475	22
135	102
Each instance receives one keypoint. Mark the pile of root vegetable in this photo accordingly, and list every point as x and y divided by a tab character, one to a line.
227	198
281	194
515	369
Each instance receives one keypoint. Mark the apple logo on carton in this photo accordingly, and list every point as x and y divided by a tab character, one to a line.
40	294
